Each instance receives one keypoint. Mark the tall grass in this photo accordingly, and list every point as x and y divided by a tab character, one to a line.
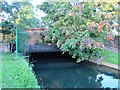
16	73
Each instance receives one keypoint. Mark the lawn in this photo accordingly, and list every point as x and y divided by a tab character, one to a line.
16	73
111	56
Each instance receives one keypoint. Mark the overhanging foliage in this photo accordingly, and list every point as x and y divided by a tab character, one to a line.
79	28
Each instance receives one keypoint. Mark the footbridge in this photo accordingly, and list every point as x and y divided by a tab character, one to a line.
40	48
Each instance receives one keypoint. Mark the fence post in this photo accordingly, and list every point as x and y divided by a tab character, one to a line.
16	43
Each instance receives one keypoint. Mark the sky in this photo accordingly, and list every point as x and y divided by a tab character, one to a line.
38	13
36	2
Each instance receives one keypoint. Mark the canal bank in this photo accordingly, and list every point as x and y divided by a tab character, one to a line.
106	64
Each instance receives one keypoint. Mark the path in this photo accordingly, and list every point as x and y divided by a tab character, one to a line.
113	49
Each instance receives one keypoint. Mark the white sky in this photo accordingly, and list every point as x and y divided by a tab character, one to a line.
37	2
38	13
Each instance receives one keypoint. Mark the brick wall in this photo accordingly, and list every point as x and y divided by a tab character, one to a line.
33	36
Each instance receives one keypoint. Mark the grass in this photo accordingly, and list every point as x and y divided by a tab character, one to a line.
0	71
110	56
16	73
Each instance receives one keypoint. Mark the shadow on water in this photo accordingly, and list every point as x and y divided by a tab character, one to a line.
54	70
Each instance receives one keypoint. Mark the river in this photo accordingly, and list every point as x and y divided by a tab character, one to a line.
54	70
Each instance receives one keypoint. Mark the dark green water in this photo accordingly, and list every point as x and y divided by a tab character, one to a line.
60	71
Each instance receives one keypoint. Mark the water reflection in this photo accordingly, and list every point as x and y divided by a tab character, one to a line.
68	78
82	75
108	81
76	77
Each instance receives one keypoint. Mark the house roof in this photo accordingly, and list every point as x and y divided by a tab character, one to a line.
35	29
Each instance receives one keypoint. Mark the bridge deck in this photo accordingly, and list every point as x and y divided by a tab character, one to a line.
41	48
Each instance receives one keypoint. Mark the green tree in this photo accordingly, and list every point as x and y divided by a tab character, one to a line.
78	27
18	15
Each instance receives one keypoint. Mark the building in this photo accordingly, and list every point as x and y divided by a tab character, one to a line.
34	35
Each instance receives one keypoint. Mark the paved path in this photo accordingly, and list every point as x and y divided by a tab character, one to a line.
4	47
106	64
113	49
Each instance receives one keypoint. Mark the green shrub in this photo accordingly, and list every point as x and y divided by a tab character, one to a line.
16	73
37	42
22	41
42	37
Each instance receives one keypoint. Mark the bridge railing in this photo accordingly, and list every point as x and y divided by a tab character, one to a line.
41	48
